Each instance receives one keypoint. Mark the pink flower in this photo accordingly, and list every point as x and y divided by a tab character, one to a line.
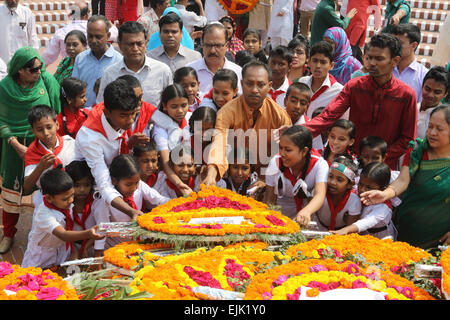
352	269
408	292
281	279
211	202
358	284
275	221
319	285
51	293
261	226
158	220
202	278
267	296
5	269
317	268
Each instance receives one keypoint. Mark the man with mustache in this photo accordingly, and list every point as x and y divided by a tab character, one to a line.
214	42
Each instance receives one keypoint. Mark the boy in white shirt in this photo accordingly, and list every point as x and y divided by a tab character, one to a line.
296	102
280	58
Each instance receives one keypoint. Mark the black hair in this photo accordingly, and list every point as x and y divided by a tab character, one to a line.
227	19
302	87
283	52
378	172
300	40
99	17
154	3
70	88
446	109
386	40
79	34
438	74
78	170
132	80
203	114
411	31
97	84
324	48
123	166
243	57
347	161
170	18
119	95
182	72
174	90
40	111
211	27
257	63
346	125
373	142
180	151
131	27
148	146
226	75
55	181
317	111
252	31
236	157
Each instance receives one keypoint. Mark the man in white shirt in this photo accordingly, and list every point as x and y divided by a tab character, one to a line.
18	29
214	41
191	19
172	53
56	46
153	75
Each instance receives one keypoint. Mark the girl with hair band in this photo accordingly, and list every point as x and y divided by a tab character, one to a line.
187	77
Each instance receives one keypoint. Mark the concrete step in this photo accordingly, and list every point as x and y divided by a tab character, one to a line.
49	27
426	36
426	4
52	15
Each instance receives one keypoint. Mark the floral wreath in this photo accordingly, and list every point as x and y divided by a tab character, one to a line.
238	6
445	263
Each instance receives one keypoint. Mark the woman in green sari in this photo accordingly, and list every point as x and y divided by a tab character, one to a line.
423	218
75	42
26	85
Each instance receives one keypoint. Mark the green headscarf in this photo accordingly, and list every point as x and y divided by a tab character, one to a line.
16	101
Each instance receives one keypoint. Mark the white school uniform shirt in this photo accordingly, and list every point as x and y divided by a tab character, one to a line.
18	29
301	120
323	216
169	138
282	26
45	249
376	216
423	119
104	212
285	196
324	98
99	151
394	175
280	98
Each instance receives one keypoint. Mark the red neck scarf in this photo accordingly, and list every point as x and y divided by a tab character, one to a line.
146	113
172	186
69	221
36	151
130	202
274	94
323	88
337	209
151	180
84	215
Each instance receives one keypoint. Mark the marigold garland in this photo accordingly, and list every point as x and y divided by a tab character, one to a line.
163	219
33	284
387	252
445	263
284	281
238	6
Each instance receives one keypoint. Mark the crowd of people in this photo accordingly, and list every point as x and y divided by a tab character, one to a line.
152	100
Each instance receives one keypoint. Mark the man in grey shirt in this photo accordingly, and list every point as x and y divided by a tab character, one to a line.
172	53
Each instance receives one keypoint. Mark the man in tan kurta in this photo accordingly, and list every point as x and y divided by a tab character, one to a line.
252	117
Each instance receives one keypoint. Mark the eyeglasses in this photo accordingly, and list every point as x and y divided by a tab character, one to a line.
36	69
214	45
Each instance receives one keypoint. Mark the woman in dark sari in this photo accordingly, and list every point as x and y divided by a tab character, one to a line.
26	85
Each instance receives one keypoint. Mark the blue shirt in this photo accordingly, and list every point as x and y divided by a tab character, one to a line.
413	76
88	68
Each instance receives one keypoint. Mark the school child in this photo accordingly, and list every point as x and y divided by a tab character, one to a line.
174	103
83	184
342	206
73	113
187	77
103	136
253	43
225	88
243	57
320	141
364	71
280	58
375	219
241	176
126	178
341	137
95	89
296	102
47	151
323	85
50	241
281	26
296	173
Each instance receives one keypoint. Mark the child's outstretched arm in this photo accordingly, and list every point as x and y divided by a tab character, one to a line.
346	230
70	236
304	216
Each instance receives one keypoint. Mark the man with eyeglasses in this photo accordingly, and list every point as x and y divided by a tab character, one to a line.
18	29
214	42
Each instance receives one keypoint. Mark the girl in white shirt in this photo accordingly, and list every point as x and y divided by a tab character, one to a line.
342	206
126	178
375	219
297	174
187	77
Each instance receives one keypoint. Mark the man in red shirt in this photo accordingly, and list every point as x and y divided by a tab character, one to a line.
380	104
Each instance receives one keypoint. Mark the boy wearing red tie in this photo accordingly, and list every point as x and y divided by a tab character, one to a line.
280	59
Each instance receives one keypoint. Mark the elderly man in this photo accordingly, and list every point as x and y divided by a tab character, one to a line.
90	64
18	29
252	115
172	53
153	75
214	40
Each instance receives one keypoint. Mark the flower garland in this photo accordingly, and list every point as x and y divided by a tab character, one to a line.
284	281
388	253
173	217
238	6
445	263
33	284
